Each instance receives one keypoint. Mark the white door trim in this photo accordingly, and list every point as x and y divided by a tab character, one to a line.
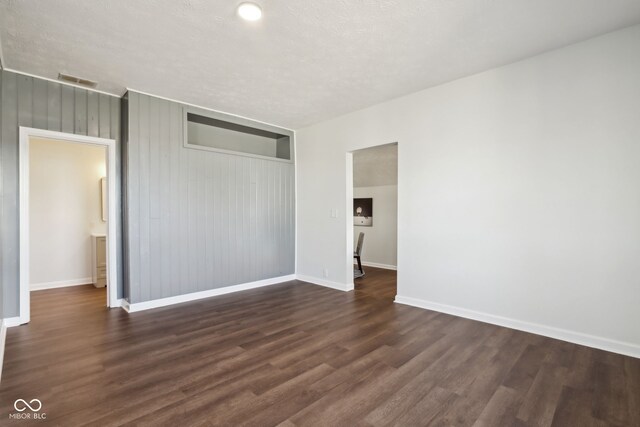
348	213
112	275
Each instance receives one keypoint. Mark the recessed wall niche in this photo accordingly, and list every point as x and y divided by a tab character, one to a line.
205	131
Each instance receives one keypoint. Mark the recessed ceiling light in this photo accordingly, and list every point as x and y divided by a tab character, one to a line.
249	11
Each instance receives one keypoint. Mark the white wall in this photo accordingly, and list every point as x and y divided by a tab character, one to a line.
518	191
64	209
379	248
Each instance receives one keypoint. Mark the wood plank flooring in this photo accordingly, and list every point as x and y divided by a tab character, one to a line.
300	354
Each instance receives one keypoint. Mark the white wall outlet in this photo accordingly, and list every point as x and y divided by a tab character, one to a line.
326	272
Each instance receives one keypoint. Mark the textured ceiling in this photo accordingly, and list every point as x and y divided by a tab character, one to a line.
306	61
376	166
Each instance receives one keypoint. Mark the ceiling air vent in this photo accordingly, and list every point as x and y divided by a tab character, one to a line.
77	80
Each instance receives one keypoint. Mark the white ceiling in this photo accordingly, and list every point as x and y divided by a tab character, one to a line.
306	61
376	166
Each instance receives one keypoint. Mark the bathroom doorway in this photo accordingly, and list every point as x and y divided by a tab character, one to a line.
67	214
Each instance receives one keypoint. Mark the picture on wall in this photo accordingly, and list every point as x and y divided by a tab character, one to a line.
363	212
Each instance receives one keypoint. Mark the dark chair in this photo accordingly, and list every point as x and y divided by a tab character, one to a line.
357	253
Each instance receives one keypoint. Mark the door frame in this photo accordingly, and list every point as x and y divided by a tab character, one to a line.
349	210
349	215
26	133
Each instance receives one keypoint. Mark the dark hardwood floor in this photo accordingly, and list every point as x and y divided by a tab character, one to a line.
377	283
300	354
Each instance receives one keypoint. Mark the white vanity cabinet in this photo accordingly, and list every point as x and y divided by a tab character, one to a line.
99	260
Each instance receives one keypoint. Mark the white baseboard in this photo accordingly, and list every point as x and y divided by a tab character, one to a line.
377	265
10	322
60	284
3	339
327	283
606	344
162	302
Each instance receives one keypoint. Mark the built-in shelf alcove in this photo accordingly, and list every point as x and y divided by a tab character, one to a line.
207	132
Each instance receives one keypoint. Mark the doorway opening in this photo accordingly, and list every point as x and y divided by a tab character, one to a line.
372	234
67	215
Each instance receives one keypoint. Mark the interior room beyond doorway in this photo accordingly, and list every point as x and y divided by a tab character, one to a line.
375	215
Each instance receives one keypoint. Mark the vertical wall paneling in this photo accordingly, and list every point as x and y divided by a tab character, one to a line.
143	183
54	106
154	193
225	173
32	102
81	113
25	101
126	220
246	216
201	212
173	201
183	179
104	116
232	242
9	227
200	220
164	214
93	114
40	100
68	109
132	213
192	227
217	221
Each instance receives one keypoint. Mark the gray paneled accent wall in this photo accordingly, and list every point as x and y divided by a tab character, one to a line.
198	220
37	103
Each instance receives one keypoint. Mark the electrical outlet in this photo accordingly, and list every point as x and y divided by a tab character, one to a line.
326	273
